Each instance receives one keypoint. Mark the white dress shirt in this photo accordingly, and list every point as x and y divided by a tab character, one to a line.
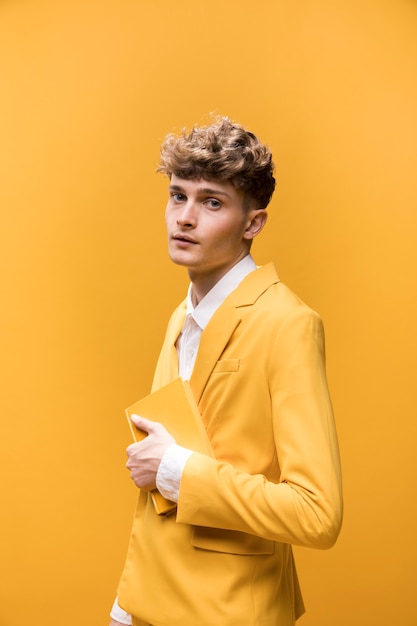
173	462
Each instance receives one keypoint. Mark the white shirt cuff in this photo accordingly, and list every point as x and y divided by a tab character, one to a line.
119	615
170	471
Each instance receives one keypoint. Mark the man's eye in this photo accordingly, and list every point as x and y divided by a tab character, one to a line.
213	204
178	197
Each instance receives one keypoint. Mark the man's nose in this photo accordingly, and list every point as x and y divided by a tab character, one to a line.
188	216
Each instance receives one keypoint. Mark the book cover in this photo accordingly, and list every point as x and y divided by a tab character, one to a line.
175	407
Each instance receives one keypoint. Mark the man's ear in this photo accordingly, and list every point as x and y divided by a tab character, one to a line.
256	221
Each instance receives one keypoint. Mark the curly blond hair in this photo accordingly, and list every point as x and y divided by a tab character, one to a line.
222	151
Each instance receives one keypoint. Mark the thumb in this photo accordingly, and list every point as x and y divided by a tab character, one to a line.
142	423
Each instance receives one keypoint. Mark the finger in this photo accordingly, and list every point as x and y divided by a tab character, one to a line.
132	448
142	423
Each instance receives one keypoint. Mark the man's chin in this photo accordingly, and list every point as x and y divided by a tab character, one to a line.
180	259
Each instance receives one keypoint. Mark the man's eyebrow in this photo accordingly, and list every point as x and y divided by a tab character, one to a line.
204	190
215	192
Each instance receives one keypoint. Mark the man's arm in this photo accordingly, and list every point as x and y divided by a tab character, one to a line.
305	506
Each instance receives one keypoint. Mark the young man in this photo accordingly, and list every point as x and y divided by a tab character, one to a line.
254	355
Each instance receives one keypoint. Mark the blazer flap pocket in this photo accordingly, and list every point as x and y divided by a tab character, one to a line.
226	365
230	541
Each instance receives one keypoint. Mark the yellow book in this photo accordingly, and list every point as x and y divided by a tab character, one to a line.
175	407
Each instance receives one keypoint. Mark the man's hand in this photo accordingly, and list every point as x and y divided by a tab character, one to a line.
145	456
114	623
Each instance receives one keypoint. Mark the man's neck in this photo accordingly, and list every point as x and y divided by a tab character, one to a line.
201	284
200	289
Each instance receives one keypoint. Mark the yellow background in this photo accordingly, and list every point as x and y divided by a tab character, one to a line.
88	89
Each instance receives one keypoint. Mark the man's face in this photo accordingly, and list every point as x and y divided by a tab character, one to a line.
208	229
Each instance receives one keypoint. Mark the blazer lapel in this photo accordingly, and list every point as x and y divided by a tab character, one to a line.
224	322
213	340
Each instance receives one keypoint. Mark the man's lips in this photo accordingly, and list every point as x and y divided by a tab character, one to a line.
180	238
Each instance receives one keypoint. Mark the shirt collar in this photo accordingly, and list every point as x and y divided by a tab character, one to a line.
204	310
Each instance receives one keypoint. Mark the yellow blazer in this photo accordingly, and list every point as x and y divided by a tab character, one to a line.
225	558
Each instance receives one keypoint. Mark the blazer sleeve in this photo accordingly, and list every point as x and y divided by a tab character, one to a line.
305	506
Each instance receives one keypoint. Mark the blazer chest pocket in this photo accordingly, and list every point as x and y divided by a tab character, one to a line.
230	541
226	365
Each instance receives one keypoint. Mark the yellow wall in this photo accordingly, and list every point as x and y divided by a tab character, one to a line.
87	91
